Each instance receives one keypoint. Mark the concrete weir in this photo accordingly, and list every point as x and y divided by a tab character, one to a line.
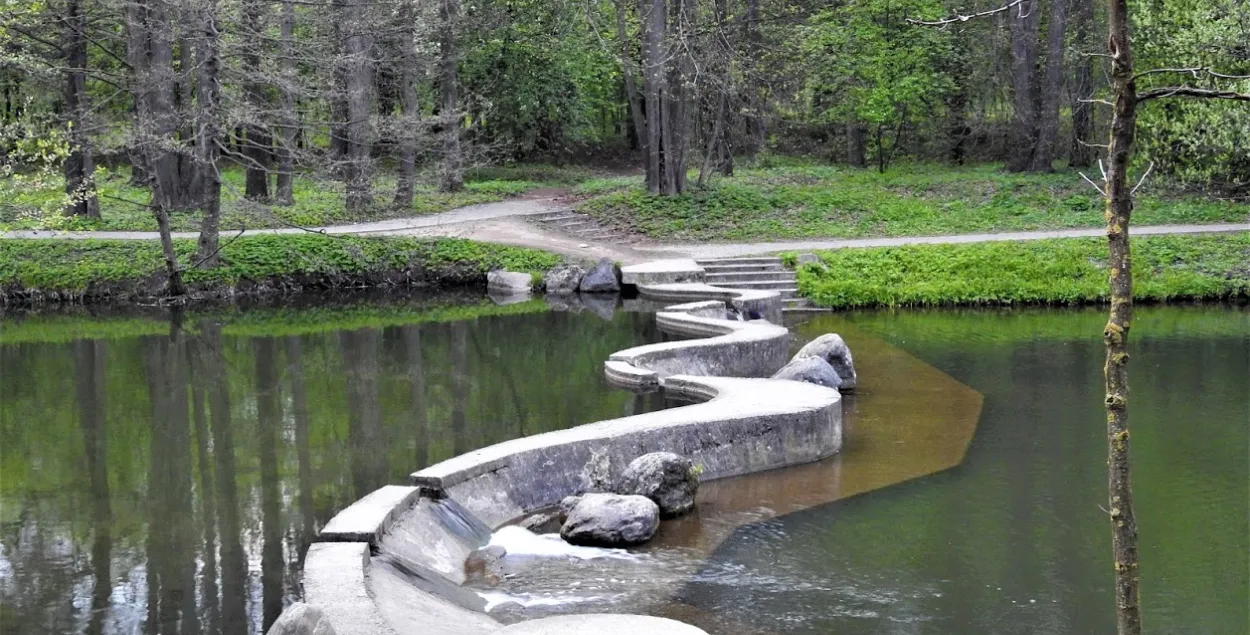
393	562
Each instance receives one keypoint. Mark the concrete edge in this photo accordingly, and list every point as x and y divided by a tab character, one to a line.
366	519
662	272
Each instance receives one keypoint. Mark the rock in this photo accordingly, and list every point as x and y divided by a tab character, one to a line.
544	523
611	520
568	503
809	259
564	278
509	282
301	619
813	370
666	478
832	349
485	564
601	279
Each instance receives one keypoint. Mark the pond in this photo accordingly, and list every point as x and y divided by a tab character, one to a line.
127	506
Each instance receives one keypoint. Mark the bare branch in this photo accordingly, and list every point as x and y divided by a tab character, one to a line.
1095	185
964	18
1103	170
1096	101
1186	91
1142	179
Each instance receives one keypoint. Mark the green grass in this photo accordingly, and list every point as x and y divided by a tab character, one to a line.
802	201
318	201
73	266
1060	271
254	322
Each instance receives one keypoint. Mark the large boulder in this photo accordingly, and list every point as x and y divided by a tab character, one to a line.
564	278
601	279
611	520
832	349
301	619
666	478
813	370
509	282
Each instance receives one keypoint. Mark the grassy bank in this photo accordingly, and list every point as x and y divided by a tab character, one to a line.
1062	271
318	201
98	270
799	201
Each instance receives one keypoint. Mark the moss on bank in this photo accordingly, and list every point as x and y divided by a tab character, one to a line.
117	270
1060	271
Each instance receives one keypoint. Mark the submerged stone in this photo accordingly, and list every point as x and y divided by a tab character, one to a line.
301	619
565	278
666	478
601	279
611	520
813	370
832	349
544	522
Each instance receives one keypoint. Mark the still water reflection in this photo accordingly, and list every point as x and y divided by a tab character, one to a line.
1012	540
170	482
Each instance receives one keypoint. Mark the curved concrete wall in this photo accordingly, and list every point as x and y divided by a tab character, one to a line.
425	531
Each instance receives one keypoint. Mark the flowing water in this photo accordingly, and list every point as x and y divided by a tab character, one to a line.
162	478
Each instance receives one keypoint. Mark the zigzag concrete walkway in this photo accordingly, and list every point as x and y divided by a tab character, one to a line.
499	222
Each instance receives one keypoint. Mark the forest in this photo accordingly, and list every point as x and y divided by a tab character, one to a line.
375	106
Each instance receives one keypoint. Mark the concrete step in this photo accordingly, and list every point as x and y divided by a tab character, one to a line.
742	268
596	231
753	260
573	225
749	276
757	284
785	292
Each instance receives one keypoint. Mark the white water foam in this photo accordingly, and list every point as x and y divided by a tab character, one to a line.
521	542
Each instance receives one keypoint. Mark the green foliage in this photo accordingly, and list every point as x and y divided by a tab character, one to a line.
35	201
870	66
78	265
909	200
1062	271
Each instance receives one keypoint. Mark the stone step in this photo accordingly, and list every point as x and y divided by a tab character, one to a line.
596	231
749	276
752	260
784	292
757	284
573	225
709	268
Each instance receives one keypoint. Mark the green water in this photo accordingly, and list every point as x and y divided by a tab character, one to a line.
1013	540
164	479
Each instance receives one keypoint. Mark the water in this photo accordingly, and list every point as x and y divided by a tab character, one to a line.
161	484
966	500
1013	540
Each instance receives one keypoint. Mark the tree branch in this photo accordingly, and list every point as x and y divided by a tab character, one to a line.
964	18
1186	91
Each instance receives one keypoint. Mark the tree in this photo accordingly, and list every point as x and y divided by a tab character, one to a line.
79	164
452	177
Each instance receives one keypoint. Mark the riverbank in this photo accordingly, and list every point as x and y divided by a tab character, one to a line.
127	271
1062	271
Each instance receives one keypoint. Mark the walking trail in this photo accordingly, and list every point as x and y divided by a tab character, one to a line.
504	222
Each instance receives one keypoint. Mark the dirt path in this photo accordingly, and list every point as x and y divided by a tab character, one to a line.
503	222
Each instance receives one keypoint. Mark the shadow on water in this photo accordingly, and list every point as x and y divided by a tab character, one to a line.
167	476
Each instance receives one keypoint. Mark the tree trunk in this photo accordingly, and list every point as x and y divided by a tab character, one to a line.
1082	88
654	25
134	14
80	164
855	154
754	117
208	95
338	96
452	178
714	141
410	102
285	194
1052	90
1024	85
628	72
257	148
359	43
1115	335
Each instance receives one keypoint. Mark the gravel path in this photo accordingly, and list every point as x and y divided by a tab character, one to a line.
496	222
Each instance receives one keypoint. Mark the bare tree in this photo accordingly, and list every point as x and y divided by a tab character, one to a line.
1082	153
410	104
452	178
1024	25
257	143
208	97
1052	90
358	67
285	187
80	164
